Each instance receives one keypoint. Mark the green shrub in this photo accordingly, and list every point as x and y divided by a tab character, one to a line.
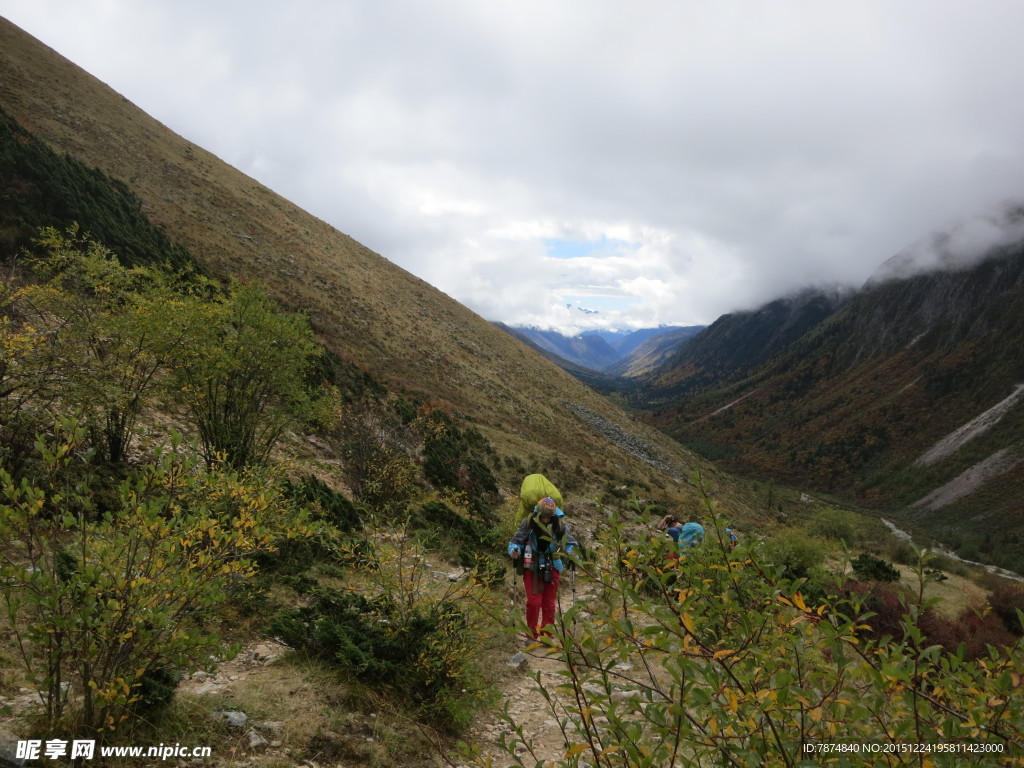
112	607
872	568
156	690
325	503
377	446
456	459
733	666
947	564
405	627
242	377
901	551
462	538
837	525
420	654
795	556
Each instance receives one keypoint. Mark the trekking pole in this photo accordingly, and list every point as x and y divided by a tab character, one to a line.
573	568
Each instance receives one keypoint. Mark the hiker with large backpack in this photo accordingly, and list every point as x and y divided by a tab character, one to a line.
534	488
538	548
685	536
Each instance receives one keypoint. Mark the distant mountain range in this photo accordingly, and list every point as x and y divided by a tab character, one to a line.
612	352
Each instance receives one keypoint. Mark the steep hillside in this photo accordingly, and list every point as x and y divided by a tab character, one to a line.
338	593
364	308
652	351
738	343
860	402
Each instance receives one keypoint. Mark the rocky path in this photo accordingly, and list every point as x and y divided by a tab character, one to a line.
525	704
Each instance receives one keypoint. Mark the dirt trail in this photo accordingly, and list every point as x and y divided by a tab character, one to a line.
528	709
526	704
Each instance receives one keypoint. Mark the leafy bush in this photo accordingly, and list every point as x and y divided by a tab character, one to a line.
837	525
111	331
795	556
242	376
463	538
943	562
798	556
900	551
403	631
369	639
325	503
456	459
377	446
97	339
1007	600
111	607
872	568
734	666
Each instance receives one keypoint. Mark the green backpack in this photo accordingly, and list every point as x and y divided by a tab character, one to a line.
535	488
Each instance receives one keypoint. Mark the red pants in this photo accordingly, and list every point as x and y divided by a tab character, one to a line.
543	602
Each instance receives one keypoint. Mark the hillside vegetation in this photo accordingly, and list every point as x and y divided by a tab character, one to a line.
227	428
364	309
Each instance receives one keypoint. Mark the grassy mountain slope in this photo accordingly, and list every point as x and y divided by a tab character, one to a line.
365	309
738	343
853	404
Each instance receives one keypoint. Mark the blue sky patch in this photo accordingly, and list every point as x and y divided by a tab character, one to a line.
559	248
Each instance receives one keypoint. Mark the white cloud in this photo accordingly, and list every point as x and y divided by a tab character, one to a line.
716	155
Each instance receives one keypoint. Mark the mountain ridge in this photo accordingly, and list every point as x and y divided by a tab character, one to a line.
847	405
606	352
363	308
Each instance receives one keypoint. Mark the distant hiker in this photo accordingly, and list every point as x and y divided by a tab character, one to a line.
733	541
692	535
686	536
667	524
673	530
537	548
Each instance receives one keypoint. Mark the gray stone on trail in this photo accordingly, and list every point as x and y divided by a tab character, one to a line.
9	751
263	654
233	718
520	661
256	742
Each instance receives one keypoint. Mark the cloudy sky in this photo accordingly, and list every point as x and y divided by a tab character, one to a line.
661	162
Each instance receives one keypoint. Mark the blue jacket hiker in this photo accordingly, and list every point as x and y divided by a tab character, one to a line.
691	535
537	547
685	536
